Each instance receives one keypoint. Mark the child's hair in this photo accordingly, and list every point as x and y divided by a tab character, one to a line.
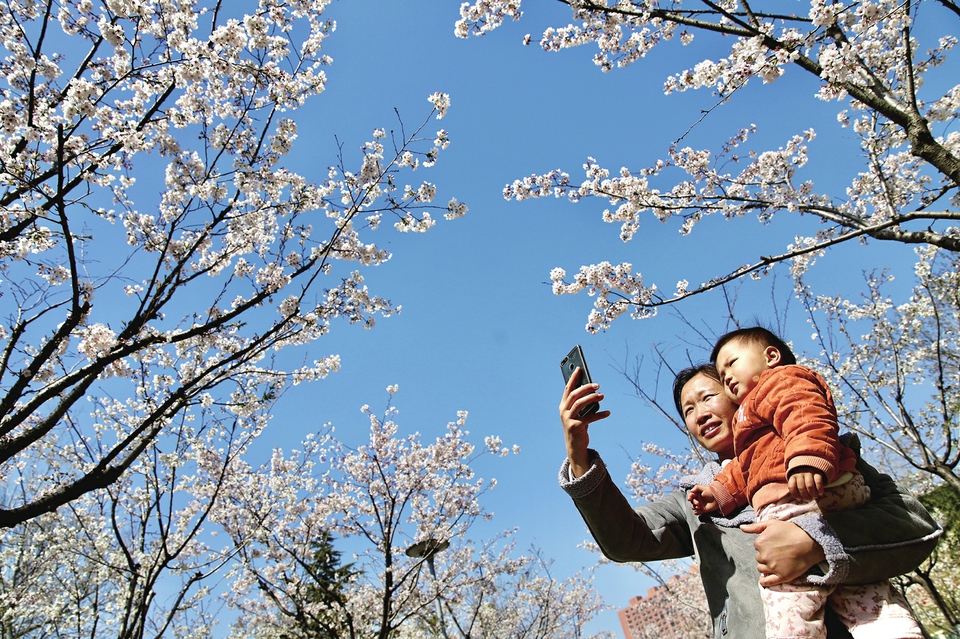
686	375
755	335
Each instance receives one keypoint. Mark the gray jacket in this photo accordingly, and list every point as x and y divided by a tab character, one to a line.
857	543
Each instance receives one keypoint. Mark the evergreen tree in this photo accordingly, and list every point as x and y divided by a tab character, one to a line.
323	614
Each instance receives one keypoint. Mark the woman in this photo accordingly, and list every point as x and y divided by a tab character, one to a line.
889	536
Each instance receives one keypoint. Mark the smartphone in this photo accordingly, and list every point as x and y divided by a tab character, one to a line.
569	364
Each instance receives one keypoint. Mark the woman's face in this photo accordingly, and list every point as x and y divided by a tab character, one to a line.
708	414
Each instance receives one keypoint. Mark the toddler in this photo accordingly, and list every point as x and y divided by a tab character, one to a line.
789	461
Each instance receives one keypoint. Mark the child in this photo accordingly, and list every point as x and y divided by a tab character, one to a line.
789	461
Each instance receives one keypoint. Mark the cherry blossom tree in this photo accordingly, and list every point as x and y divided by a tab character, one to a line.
380	500
137	557
896	367
866	55
174	544
136	307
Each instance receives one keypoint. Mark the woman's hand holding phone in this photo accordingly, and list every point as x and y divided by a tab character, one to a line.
576	416
569	365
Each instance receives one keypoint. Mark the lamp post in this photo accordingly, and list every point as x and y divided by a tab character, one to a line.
426	549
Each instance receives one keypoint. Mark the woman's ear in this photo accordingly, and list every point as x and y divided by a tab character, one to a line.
772	356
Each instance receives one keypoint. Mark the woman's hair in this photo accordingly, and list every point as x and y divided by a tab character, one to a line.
686	375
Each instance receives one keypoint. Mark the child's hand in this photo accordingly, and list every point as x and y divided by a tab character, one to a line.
702	500
806	484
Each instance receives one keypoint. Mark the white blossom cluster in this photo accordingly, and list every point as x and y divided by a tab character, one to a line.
484	16
614	287
441	102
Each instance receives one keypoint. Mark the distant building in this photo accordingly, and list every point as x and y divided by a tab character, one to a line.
674	611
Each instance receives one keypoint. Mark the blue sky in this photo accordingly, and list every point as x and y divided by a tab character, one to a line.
480	330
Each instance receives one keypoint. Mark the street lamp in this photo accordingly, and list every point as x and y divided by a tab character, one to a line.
426	549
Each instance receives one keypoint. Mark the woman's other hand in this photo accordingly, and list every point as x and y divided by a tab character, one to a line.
784	551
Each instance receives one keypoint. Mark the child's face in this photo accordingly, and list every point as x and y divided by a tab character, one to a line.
740	364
